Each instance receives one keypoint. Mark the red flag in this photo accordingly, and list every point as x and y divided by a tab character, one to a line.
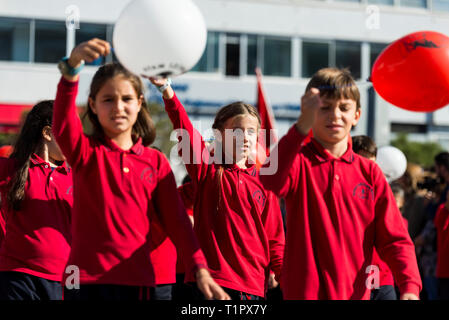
267	123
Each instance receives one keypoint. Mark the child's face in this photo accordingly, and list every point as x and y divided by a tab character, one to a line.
117	106
334	119
239	137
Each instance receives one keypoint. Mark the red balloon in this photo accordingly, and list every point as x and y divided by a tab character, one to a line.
413	72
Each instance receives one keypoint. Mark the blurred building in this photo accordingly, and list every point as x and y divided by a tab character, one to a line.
288	39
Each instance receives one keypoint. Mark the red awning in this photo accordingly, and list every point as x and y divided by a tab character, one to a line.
10	117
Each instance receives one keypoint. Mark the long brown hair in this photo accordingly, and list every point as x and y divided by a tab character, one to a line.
225	113
29	141
144	126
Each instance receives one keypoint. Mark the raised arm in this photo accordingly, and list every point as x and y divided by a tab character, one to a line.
67	127
192	147
284	157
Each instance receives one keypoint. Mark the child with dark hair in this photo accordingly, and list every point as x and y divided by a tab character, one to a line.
339	204
36	200
120	186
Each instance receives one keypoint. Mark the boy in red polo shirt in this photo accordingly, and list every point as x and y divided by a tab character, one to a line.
339	204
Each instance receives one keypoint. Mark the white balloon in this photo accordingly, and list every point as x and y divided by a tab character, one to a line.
392	162
159	37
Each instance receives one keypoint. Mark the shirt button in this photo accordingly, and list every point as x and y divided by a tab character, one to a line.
241	181
125	169
51	178
46	166
337	177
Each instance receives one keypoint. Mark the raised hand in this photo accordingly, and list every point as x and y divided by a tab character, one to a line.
310	102
89	51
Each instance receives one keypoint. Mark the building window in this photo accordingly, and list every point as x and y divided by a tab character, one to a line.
14	39
375	50
384	2
408	127
50	41
315	56
413	3
277	57
252	61
209	59
232	55
348	55
88	31
442	5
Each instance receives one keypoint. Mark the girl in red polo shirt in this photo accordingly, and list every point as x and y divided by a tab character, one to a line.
120	185
238	223
36	200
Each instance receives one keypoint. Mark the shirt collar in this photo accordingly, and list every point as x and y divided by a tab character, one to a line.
250	169
37	161
323	155
137	148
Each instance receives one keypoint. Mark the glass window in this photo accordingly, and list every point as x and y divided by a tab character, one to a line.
347	0
375	50
277	57
385	2
209	59
414	3
348	55
232	55
50	41
252	55
14	39
442	5
88	31
315	55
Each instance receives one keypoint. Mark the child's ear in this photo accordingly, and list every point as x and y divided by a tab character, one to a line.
91	105
46	134
141	99
358	113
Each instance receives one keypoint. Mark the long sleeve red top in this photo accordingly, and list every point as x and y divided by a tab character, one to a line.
116	195
37	238
441	222
238	222
338	210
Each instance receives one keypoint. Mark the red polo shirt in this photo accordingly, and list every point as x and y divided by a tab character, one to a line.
441	222
238	222
339	210
37	238
117	193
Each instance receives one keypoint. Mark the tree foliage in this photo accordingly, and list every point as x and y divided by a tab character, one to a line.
421	153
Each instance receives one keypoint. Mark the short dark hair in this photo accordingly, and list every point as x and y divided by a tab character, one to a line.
442	159
365	144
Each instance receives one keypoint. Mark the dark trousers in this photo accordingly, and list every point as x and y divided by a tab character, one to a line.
107	292
162	292
22	286
384	293
443	288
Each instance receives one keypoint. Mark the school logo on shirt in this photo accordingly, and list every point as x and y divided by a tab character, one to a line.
259	197
363	191
147	175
